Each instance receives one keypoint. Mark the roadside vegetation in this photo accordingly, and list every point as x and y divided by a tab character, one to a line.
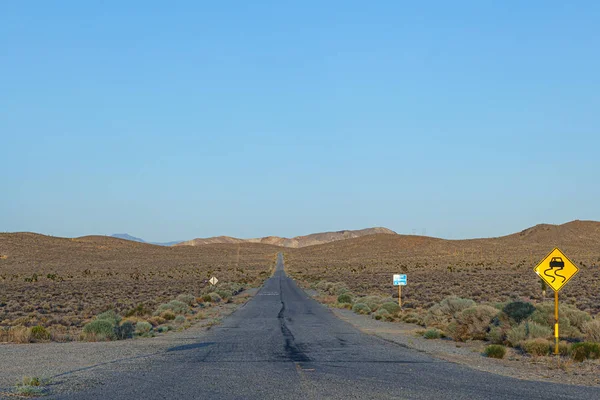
524	326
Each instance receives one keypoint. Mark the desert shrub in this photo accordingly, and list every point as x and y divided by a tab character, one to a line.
124	331
591	330
382	314
31	387
180	319
536	347
495	351
570	319
344	298
214	297
139	311
168	315
372	301
442	313
143	327
472	323
99	329
576	317
564	348
361	308
156	320
110	316
187	299
19	334
585	351
390	307
412	318
527	330
519	310
206	298
432	334
224	294
176	306
39	333
496	335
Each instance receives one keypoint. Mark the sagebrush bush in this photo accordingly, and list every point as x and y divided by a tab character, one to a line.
224	294
361	308
412	318
537	347
187	299
382	314
496	335
215	297
519	310
471	323
345	298
372	301
39	333
591	330
495	351
19	334
441	314
527	330
432	334
585	351
390	307
110	316
143	327
99	329
168	315
176	306
180	319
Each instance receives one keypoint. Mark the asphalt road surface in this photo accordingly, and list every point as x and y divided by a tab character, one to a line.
284	345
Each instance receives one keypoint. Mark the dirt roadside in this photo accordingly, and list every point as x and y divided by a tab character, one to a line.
515	365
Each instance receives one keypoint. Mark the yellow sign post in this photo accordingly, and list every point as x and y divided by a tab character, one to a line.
556	270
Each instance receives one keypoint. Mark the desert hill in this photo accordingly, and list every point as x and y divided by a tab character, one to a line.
295	242
127	236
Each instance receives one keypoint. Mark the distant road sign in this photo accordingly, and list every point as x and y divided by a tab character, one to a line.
213	281
556	270
399	280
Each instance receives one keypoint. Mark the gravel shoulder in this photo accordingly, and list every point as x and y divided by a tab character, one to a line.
515	365
71	365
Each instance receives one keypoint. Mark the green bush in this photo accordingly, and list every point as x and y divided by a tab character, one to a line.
39	333
345	298
176	306
585	351
143	327
100	329
591	330
519	310
187	299
110	316
215	297
224	294
124	331
180	319
412	318
432	334
361	308
495	351
382	314
140	310
390	307
537	347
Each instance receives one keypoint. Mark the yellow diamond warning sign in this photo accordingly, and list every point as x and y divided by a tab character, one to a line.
556	270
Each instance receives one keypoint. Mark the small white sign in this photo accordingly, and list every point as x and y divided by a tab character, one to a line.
399	279
213	281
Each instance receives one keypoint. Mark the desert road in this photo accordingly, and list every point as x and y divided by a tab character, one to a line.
284	345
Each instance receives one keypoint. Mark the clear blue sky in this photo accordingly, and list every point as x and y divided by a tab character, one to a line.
174	120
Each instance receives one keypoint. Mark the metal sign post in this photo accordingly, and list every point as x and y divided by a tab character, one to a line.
556	270
399	280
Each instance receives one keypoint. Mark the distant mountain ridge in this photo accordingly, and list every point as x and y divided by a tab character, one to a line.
126	236
295	242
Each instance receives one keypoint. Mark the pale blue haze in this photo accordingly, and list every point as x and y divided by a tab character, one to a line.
174	120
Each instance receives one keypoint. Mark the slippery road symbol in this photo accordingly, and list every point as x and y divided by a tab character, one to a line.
556	265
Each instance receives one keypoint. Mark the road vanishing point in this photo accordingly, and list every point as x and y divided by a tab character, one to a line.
284	345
